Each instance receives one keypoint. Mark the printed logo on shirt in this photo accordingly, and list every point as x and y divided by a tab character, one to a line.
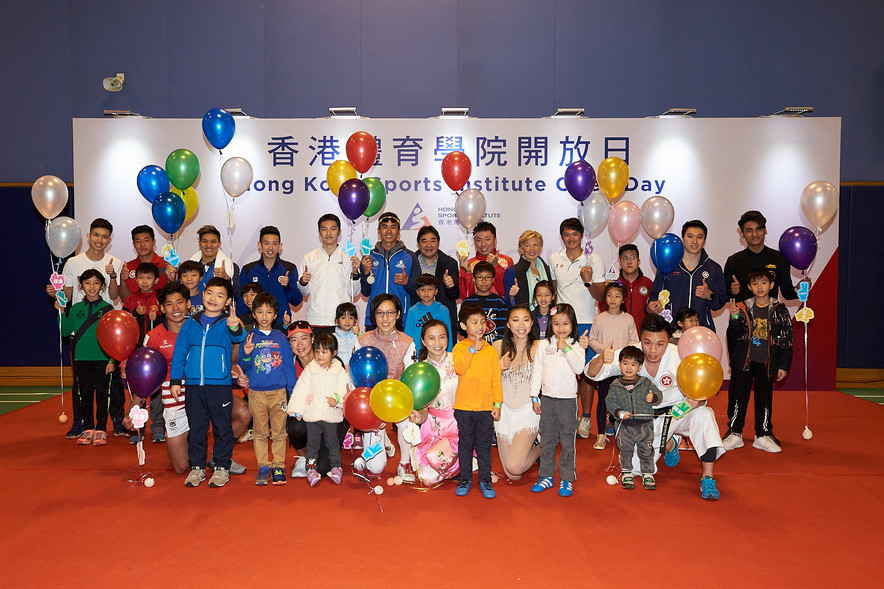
375	263
131	273
666	381
643	290
705	274
400	264
254	279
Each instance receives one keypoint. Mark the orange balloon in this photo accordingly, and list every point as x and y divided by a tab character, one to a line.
362	151
339	172
699	376
612	177
117	333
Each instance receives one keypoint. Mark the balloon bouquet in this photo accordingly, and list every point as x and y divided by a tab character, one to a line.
50	197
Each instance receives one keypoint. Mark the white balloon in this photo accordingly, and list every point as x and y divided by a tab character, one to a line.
50	195
819	203
657	216
594	213
62	236
469	208
236	176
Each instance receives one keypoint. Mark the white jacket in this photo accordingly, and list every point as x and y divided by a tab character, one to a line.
220	258
330	284
556	371
313	386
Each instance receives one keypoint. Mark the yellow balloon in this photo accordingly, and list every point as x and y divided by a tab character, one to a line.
339	172
391	400
699	376
612	176
190	201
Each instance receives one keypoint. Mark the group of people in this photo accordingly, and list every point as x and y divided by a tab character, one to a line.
522	349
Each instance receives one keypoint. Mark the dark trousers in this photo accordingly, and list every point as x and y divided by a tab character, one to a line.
92	383
209	404
297	431
75	396
157	423
639	435
738	392
319	431
601	411
474	431
117	398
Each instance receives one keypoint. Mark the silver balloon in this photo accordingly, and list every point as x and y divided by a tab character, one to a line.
657	216
62	236
236	176
50	196
819	203
469	208
594	213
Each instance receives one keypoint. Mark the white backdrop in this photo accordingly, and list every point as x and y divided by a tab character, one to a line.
710	169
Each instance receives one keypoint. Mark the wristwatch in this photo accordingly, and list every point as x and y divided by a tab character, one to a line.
587	284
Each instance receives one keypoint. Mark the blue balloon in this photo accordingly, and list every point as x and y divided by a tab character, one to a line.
169	212
152	182
218	127
666	252
368	367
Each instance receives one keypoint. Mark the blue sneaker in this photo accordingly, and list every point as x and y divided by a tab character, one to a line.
463	487
263	477
77	428
565	489
278	476
487	490
708	489
542	484
671	458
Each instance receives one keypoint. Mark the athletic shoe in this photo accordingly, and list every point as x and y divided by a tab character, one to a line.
487	490
542	484
313	476
195	476
494	439
263	477
767	444
100	438
245	438
463	487
133	440
235	467
708	489
220	476
119	429
732	441
600	442
406	472
300	469
159	438
77	428
566	488
278	475
585	427
671	458
648	482
85	439
627	481
335	475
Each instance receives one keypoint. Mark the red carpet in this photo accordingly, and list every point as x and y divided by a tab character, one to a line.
805	517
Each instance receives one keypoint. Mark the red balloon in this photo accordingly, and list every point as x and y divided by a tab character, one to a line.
117	334
357	410
456	168
362	151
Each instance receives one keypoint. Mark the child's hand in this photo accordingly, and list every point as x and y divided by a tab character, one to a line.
655	307
283	280
781	374
171	273
175	389
478	344
732	307
248	346
127	422
109	368
50	290
58	305
514	290
240	376
495	414
415	417
331	401
233	321
506	361
141	309
625	415
286	319
447	280
402	278
152	316
536	407
608	353
649	397
561	344
735	285
123	369
298	416
584	340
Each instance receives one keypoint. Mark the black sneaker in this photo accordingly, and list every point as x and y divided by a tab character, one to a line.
119	430
77	428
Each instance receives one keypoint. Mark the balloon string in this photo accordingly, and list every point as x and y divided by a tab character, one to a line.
54	265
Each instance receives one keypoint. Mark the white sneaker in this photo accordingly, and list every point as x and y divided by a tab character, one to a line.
300	470
406	472
585	427
767	444
732	441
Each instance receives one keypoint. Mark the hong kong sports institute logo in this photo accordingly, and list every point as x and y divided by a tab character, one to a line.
416	219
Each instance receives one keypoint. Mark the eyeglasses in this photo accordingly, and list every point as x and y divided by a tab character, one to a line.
385	313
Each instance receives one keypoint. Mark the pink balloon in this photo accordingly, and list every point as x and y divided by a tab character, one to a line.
699	340
624	221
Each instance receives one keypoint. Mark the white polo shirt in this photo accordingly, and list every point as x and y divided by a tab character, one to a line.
569	284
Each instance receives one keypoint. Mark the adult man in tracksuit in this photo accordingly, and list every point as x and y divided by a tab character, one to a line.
275	275
698	282
387	267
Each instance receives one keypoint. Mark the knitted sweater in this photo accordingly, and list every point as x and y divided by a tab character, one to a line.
309	399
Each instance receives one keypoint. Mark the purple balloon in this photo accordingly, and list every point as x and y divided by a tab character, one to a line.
145	371
580	180
353	196
798	245
666	252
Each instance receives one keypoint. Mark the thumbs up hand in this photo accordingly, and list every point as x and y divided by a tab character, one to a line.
608	353
584	340
402	278
703	291
448	280
306	276
735	285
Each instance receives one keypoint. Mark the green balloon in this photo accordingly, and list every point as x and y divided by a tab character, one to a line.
423	381
377	196
183	168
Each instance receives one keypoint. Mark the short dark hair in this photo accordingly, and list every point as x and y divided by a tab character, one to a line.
170	289
483	266
571	223
426	280
759	273
100	223
251	286
755	216
144	229
485	226
548	284
389	216
265	298
695	223
654	323
633	353
427	229
346	309
91	273
328	217
208	229
268	230
568	310
147	268
628	247
191	266
624	292
223	282
684	314
376	302
467	310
